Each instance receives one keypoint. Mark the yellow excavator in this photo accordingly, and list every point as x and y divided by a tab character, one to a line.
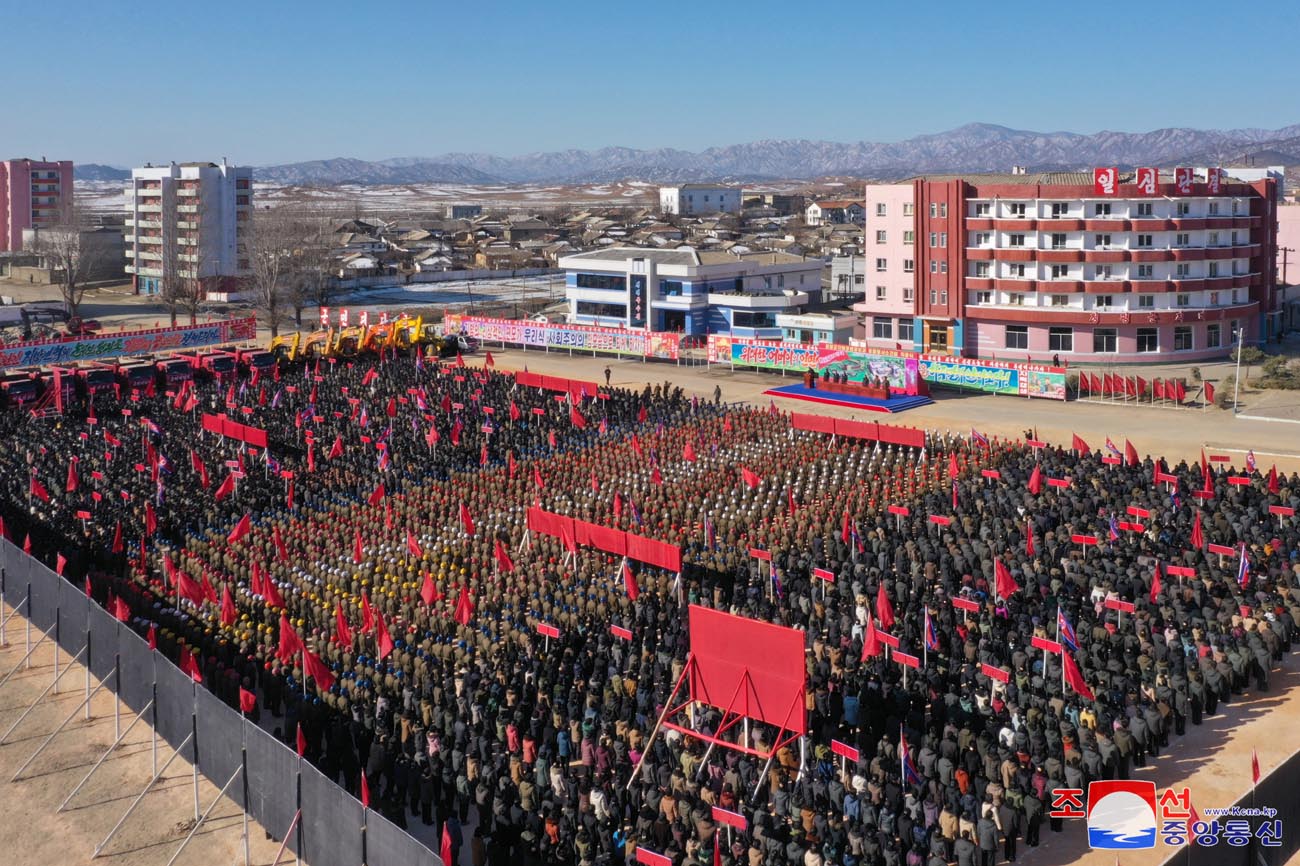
318	344
349	342
285	347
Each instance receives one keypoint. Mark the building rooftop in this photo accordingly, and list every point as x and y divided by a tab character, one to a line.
686	256
1047	178
837	203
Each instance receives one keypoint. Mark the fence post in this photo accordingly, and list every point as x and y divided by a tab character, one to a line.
56	650
27	662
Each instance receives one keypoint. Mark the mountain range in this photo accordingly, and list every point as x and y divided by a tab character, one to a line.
970	148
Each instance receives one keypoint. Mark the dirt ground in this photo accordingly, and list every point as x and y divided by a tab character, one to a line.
34	834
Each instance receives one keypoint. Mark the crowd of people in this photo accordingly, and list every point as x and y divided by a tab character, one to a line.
370	579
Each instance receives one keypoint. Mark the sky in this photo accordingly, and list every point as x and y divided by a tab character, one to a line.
279	81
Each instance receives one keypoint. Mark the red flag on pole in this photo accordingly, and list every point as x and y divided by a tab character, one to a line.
1209	393
38	490
1156	583
376	496
1029	538
629	581
1273	486
444	848
884	608
1004	584
123	614
318	670
429	591
188	588
72	481
228	614
1075	678
190	666
749	477
280	552
488	361
367	615
464	606
200	468
272	593
118	544
247	701
342	633
1198	536
336	450
1077	444
871	646
59	562
466	520
302	741
290	644
1254	767
688	452
241	530
383	640
358	548
1036	479
150	520
1130	453
502	557
413	546
365	791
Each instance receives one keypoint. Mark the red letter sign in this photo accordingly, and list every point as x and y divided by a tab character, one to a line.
1147	180
1183	181
1105	181
1213	180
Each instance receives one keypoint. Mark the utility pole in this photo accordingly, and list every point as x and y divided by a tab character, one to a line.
1236	380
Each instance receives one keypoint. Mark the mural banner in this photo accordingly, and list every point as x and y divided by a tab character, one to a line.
66	351
557	335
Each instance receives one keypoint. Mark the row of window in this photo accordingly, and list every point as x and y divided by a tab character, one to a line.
1103	209
909	237
1106	340
1181	271
1103	241
909	266
882	328
908	293
1100	302
908	209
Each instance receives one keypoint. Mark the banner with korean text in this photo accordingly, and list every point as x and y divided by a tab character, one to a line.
556	335
66	351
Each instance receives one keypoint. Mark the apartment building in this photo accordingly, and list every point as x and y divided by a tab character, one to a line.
188	221
1144	265
34	194
889	268
693	199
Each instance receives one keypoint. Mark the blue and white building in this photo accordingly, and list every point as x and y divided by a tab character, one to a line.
689	291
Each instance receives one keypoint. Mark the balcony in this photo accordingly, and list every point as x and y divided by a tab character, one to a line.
1106	224
1150	224
148	208
1060	255
979	224
143	224
1149	254
977	283
187	192
1186	254
1017	224
1017	254
980	254
1060	224
187	208
1106	257
758	302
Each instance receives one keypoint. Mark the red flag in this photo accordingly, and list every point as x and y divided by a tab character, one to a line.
383	640
302	741
271	593
550	439
510	464
1198	536
88	586
1029	538
460	360
595	482
576	418
358	548
640	416
247	701
241	530
1036	479
188	588
1209	393
209	594
488	361
444	849
749	477
1077	444
336	450
655	476
789	500
717	851
365	791
1273	486
1158	389
413	546
318	670
200	468
1074	677
59	562
1156	583
225	488
429	591
871	646
1141	386
190	666
391	409
464	606
688	452
311	456
514	411
466	521
228	615
884	608
537	478
636	444
1130	453
845	529
566	536
38	490
342	634
377	496
367	615
629	581
71	485
123	614
1254	767
1004	584
502	557
618	506
290	644
118	545
152	637
280	552
952	465
150	520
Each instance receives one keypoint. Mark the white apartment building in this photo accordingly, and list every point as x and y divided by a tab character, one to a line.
693	199
188	221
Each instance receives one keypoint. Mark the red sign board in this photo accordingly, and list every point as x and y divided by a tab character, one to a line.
1220	458
887	639
1083	539
1138	512
900	510
1131	527
940	519
824	574
1223	550
1105	181
83	515
1240	480
1058	482
965	604
1148	180
765	555
1284	510
1111	461
737	820
1045	644
995	673
1035	443
649	858
910	661
1119	605
547	629
990	473
619	631
1180	570
844	750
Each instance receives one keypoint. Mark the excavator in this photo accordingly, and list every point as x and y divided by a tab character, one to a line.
285	347
318	344
349	342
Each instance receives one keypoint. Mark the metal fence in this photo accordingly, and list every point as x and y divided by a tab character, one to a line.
332	819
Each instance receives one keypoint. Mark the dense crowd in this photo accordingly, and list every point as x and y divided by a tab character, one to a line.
369	578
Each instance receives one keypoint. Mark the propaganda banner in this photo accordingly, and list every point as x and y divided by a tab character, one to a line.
145	342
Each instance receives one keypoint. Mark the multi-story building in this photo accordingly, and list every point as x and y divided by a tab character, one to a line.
833	212
889	267
188	222
688	290
1093	266
693	199
33	194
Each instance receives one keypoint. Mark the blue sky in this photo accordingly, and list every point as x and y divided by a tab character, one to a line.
272	81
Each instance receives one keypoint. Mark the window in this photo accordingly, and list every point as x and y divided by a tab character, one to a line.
1101	242
1016	209
1183	208
880	236
1060	272
1017	336
943	267
1145	209
880	293
1144	240
943	209
882	265
1016	299
605	311
905	330
1148	340
1060	209
1103	272
1214	269
1214	299
982	209
880	208
1182	239
1182	338
981	269
602	281
934	266
1146	302
943	240
1104	340
1058	241
909	237
908	209
1182	299
1101	208
1214	208
943	297
1234	296
1212	239
983	298
1145	271
934	239
1235	203
1234	239
909	294
1103	302
882	328
982	239
909	266
1213	336
1060	339
1015	271
934	297
1016	240
744	319
670	288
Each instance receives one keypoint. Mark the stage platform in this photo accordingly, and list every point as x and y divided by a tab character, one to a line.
891	406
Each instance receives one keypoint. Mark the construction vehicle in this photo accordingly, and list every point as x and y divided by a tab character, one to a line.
319	344
98	376
349	342
252	359
216	364
285	348
20	388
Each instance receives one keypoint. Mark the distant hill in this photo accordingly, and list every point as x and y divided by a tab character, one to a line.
333	172
95	171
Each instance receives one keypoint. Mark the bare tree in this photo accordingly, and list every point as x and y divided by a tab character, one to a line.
171	284
271	245
312	283
193	257
74	253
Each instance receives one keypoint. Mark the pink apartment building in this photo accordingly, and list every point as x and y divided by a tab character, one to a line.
33	194
889	252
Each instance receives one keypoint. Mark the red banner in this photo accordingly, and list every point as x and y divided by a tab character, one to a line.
1045	644
995	673
765	555
900	510
1239	480
737	820
1138	512
1223	550
1180	571
990	473
649	858
965	604
887	639
824	573
940	519
547	629
1220	458
1058	482
619	631
1084	539
1283	510
844	750
1119	605
908	660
